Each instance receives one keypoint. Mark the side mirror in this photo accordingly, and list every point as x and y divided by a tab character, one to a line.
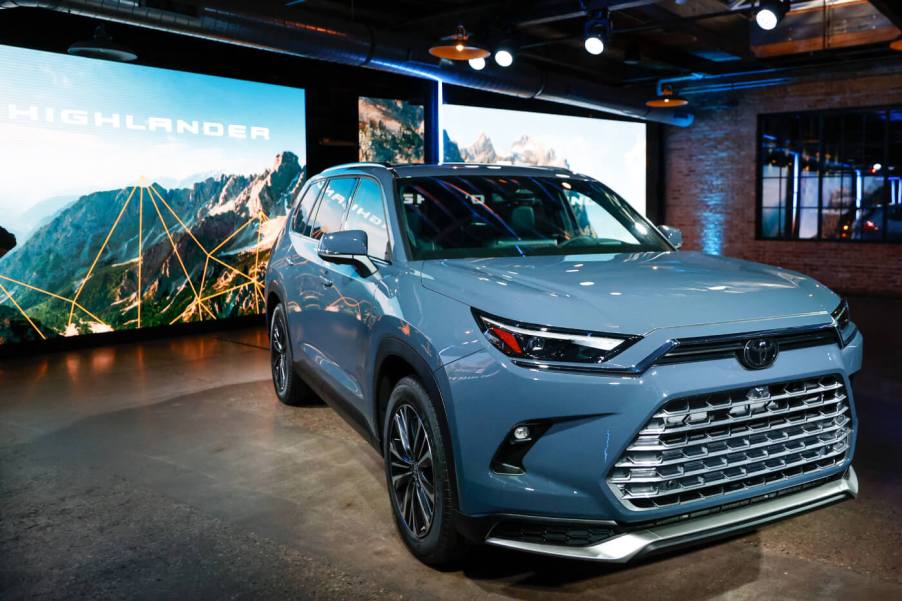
347	247
673	235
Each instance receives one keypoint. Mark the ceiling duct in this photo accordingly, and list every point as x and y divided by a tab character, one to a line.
356	44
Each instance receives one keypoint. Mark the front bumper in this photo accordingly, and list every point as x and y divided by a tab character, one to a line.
629	545
594	418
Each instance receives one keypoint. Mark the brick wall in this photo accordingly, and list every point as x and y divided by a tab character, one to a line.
710	176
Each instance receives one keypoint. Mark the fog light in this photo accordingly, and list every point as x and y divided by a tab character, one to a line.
521	433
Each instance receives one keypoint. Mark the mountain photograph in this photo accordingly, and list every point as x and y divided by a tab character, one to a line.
147	256
390	130
136	196
523	151
611	151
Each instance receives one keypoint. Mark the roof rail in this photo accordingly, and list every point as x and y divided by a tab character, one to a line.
545	167
383	164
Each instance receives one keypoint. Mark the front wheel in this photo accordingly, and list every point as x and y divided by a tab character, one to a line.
418	475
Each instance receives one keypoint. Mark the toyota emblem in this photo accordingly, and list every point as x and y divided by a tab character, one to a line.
758	353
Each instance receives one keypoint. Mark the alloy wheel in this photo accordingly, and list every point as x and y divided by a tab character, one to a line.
279	355
412	476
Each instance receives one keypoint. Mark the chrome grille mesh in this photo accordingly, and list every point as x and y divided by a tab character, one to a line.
710	445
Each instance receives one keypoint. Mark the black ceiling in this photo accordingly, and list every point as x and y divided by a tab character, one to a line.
672	37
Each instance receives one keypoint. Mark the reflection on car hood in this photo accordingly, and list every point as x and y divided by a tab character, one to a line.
628	293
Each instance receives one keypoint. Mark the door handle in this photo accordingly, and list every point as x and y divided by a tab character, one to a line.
327	283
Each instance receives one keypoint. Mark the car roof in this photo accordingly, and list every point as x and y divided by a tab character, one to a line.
446	169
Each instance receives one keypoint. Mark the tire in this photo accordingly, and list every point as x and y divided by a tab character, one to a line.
434	541
290	388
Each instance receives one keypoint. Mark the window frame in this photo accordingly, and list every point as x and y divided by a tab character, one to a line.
821	114
322	195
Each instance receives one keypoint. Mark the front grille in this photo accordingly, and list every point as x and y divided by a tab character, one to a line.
711	445
567	534
731	345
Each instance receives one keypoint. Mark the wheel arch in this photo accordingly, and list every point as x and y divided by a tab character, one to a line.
273	298
396	359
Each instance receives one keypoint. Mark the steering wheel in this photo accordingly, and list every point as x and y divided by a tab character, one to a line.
578	241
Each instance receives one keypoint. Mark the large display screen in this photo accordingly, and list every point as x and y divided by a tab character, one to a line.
613	152
137	196
390	130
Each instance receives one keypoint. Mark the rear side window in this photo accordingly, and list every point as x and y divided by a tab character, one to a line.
368	214
301	221
332	206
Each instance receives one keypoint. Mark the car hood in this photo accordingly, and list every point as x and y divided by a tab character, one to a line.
627	293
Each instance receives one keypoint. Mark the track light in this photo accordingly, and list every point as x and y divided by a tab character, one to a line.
504	57
597	31
477	64
769	13
594	44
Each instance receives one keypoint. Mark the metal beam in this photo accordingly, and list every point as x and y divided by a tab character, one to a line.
552	15
891	9
737	47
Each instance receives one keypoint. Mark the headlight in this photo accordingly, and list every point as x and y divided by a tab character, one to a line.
842	319
542	344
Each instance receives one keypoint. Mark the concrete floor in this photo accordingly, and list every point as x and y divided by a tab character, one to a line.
169	470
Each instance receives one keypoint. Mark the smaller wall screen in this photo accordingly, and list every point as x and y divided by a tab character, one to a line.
390	130
613	152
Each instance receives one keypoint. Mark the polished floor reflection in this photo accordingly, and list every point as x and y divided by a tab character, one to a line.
169	470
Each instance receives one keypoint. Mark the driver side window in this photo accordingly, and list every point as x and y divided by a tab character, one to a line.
367	213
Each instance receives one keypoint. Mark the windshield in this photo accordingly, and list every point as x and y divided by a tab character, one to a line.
502	216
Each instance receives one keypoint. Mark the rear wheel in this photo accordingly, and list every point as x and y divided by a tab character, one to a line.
290	388
418	475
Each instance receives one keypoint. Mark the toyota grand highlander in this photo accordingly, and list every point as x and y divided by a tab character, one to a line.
542	369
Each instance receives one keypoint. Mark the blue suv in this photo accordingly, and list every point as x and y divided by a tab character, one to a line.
543	370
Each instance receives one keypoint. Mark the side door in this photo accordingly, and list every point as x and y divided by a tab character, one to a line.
301	276
360	299
319	319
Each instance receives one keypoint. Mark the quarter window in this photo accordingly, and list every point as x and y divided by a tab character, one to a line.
368	214
301	222
332	206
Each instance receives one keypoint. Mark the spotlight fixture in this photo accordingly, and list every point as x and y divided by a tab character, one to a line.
102	46
477	64
667	99
769	13
457	47
504	57
597	31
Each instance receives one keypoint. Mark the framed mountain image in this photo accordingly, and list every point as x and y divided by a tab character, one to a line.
390	130
134	196
613	152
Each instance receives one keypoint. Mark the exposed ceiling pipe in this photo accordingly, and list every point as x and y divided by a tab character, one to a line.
359	45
